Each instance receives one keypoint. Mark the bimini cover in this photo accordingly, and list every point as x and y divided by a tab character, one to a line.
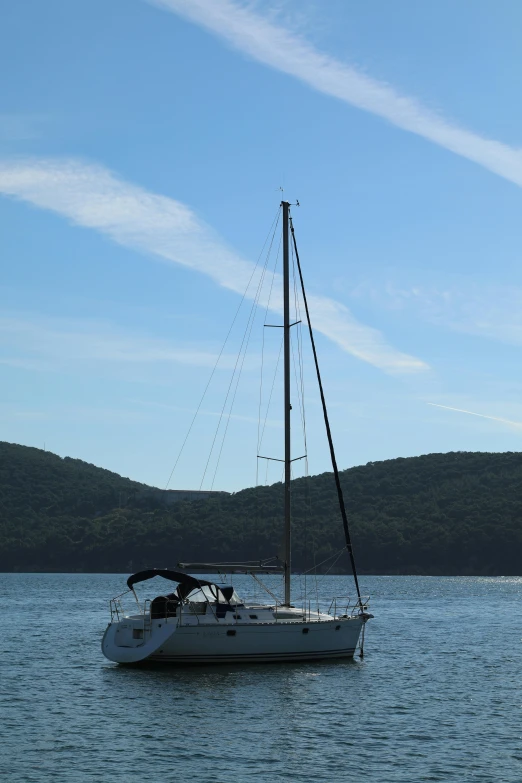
186	582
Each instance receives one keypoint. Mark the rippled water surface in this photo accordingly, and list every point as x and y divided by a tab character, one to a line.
437	696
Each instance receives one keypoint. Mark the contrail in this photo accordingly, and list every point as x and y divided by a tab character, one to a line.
482	415
260	38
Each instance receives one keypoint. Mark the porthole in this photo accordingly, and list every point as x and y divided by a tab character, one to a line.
231	633
337	627
305	630
253	616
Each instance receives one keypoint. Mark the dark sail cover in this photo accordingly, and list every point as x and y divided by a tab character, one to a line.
175	576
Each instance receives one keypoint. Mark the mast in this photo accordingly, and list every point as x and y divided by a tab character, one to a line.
288	407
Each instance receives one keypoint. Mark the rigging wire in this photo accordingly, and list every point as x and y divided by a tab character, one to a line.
300	380
260	438
236	388
308	526
260	405
299	396
327	425
270	396
259	435
337	555
246	333
270	593
272	226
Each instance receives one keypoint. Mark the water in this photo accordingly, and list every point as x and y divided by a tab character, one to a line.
436	698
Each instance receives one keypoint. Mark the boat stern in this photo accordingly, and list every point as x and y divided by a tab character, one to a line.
130	641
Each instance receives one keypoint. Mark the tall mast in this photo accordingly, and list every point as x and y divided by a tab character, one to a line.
288	407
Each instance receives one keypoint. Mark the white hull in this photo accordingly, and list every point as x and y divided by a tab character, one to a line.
223	642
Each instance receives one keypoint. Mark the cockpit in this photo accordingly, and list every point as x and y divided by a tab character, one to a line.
195	594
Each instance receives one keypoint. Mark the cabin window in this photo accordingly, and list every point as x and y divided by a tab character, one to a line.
212	593
253	616
237	617
137	633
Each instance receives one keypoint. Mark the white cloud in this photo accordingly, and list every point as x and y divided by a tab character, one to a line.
39	343
460	305
279	48
91	196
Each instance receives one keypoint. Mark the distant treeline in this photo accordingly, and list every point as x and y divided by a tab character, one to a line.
456	513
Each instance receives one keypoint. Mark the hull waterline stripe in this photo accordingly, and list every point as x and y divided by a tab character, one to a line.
226	658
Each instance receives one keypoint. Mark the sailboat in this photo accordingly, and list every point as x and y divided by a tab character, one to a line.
205	622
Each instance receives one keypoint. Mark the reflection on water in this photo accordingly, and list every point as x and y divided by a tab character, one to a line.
435	698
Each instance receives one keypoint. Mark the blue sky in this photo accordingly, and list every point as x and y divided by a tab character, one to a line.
142	145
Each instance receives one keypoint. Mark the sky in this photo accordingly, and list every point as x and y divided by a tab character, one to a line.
143	148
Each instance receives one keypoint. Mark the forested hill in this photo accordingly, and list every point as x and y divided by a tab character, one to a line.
457	513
